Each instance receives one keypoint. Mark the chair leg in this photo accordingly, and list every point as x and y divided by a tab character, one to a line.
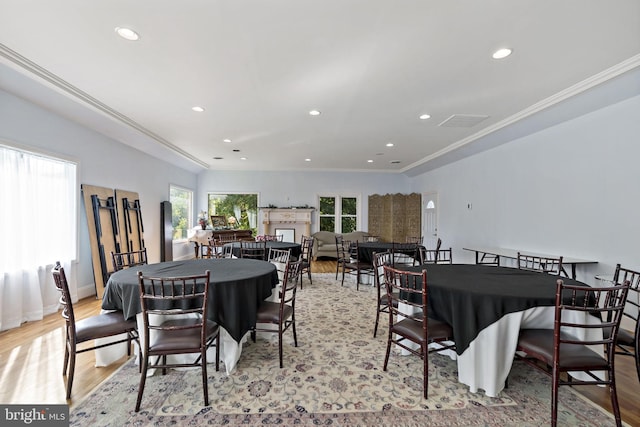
205	384
614	398
66	357
72	368
295	336
636	354
425	370
386	357
218	352
375	328
280	344
143	378
555	379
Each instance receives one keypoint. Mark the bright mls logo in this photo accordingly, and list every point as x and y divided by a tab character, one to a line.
34	415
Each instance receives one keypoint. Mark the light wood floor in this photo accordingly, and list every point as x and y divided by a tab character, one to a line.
31	365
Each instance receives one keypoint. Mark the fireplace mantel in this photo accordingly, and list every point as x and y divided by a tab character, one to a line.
297	218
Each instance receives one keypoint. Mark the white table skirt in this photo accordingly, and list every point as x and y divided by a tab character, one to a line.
230	350
486	363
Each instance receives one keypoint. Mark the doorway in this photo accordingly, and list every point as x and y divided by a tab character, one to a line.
430	219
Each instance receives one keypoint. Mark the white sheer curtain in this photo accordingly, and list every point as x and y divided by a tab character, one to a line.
37	228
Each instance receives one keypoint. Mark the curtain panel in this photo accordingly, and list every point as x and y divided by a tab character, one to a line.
38	226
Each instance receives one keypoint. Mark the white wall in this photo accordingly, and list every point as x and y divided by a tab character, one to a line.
102	162
299	188
572	190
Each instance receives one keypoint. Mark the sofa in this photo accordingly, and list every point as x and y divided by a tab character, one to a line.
324	242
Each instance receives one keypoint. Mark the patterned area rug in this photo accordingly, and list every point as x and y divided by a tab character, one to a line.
333	377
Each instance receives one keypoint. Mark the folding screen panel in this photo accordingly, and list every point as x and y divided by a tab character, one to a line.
394	217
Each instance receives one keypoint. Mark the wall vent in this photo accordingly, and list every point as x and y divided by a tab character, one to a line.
463	120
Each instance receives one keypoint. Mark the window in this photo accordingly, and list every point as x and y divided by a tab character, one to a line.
240	210
181	211
39	226
338	214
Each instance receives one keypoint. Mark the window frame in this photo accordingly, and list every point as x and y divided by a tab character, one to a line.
77	194
338	216
190	213
231	193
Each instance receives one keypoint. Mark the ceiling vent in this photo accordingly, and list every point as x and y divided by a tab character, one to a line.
463	120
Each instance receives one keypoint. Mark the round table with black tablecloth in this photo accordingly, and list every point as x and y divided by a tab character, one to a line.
237	287
296	248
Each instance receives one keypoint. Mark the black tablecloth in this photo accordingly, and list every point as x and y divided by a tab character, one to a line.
296	248
471	297
237	287
367	249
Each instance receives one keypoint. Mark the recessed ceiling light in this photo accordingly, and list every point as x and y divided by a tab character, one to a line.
243	158
395	162
425	116
390	144
197	109
307	160
314	113
369	161
501	53
217	158
127	33
226	140
236	150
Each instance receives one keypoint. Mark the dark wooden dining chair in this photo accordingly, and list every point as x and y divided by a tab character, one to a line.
279	258
282	314
342	255
549	265
381	259
571	346
88	329
208	250
175	309
348	254
253	250
306	256
628	343
405	253
122	260
433	256
409	321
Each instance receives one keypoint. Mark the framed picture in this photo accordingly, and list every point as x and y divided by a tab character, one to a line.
289	234
218	221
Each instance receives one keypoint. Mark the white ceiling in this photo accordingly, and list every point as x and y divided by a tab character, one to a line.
259	66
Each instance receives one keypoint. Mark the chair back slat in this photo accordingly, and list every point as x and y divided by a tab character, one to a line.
632	309
173	297
544	264
122	260
605	303
405	253
60	280
408	288
253	250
